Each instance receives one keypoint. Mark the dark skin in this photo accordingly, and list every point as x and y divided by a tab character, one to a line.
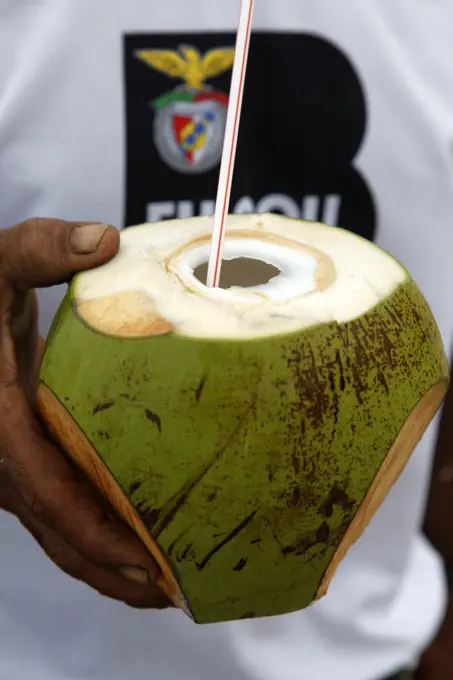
437	662
38	483
50	496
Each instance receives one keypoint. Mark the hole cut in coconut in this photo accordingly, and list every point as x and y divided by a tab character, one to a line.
240	272
270	269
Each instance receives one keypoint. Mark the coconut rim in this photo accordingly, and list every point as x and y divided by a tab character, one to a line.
406	279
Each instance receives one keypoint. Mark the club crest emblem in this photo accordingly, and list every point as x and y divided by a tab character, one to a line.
189	122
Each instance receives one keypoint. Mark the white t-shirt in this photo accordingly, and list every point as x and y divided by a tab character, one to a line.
348	117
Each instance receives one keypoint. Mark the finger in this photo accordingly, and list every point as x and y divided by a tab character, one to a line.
18	335
61	499
138	593
25	338
39	353
43	252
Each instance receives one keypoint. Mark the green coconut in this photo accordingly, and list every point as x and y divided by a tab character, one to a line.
247	433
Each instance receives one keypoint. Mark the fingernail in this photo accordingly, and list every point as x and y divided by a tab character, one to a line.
86	238
137	575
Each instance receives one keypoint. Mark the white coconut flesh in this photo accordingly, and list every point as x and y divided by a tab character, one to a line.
280	275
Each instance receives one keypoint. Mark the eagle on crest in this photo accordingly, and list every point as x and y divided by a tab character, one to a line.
188	64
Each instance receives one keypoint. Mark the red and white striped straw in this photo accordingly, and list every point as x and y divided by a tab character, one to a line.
230	143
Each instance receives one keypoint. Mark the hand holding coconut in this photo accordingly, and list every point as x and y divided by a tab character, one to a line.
37	482
247	433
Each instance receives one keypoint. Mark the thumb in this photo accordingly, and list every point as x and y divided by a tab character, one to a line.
43	252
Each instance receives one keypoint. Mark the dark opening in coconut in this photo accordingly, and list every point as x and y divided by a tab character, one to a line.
240	272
